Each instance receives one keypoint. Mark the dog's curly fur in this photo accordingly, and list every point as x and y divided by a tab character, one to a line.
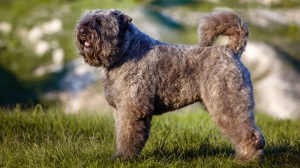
143	77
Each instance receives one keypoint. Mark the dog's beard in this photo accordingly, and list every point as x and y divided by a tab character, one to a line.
89	48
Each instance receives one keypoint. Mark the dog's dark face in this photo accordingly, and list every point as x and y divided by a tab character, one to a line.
101	36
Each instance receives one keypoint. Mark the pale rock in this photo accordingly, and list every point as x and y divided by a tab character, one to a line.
5	27
276	83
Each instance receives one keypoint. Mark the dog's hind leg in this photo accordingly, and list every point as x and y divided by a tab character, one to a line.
232	111
132	132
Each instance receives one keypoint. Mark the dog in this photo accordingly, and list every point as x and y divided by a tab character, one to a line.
143	77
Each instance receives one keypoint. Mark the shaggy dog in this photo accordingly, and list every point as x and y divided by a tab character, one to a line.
143	77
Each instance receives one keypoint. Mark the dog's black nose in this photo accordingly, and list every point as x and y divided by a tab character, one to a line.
83	31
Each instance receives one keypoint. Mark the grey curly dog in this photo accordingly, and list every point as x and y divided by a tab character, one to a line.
143	77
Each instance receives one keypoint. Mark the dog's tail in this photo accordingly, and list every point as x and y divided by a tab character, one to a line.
223	23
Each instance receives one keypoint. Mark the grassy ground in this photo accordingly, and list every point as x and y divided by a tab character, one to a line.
50	138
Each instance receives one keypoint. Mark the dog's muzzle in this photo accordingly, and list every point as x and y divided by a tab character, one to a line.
83	38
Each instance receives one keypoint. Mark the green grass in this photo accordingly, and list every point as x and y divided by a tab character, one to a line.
51	138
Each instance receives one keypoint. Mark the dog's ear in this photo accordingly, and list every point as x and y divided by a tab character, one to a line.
127	19
123	18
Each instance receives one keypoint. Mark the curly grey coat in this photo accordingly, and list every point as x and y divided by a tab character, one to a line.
143	77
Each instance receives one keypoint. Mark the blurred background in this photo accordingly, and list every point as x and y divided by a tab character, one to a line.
39	63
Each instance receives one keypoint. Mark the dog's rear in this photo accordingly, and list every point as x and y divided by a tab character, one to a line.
223	23
237	102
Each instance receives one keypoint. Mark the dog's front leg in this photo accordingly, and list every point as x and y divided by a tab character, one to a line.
132	132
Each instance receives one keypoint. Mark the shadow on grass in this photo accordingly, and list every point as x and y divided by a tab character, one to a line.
186	152
283	155
279	154
203	152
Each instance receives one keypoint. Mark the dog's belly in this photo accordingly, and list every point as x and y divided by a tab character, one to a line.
175	96
162	107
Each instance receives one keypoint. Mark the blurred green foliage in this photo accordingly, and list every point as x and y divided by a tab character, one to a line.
19	61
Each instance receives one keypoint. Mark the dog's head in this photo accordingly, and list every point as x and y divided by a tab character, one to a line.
101	36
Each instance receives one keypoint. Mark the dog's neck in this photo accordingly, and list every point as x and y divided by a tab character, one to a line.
136	45
139	41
